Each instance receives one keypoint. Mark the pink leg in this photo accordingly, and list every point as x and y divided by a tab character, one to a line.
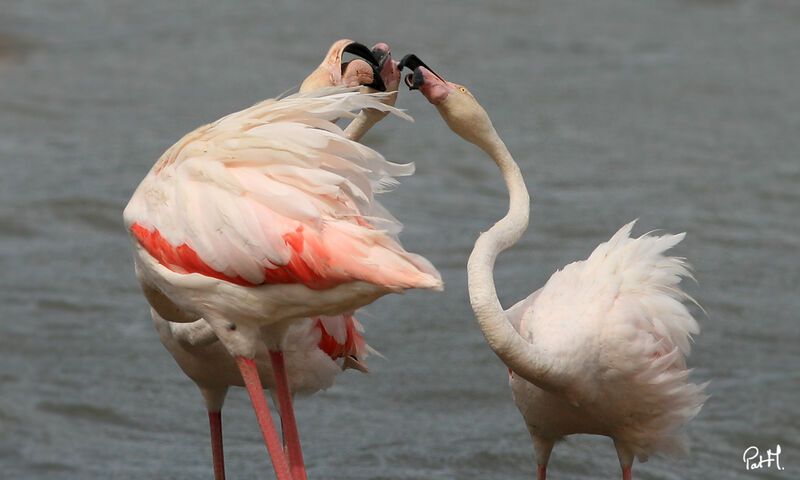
215	422
247	366
541	472
290	435
626	473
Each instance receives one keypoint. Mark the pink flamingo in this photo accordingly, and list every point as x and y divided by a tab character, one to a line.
317	350
262	218
601	348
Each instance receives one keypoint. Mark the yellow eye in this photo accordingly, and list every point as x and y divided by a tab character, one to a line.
463	90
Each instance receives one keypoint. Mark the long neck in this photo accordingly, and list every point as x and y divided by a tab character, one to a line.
367	118
517	353
360	125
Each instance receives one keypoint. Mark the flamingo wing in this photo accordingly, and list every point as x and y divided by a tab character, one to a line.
276	194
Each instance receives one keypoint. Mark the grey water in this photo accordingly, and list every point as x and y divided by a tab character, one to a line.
684	114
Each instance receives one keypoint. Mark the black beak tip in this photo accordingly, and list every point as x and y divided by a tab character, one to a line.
411	61
415	80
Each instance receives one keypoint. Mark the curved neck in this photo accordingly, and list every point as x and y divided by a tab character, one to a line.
360	125
518	354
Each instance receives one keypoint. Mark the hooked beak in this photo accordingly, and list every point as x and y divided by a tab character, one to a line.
361	50
365	53
416	79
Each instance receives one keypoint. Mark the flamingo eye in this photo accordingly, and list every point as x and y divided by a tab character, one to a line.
463	90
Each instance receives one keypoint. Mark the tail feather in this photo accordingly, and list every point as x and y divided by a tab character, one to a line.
649	283
650	287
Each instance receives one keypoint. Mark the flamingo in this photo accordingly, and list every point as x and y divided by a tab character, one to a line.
318	349
262	218
600	348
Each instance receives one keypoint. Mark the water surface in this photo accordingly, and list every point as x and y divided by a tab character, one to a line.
684	114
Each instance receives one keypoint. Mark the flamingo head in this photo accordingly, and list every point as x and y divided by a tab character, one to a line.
333	71
457	106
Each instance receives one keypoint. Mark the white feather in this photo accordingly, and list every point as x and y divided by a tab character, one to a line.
232	189
619	332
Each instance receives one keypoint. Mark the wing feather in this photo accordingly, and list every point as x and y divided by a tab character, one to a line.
276	193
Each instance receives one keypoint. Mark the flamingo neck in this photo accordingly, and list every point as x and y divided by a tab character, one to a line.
362	123
367	118
517	353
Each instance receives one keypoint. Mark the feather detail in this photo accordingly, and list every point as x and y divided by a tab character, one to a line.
340	337
617	327
276	194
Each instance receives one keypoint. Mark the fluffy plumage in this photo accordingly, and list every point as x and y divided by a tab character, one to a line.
249	224
618	332
278	186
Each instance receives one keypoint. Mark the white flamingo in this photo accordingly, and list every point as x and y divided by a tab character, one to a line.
316	350
262	218
600	348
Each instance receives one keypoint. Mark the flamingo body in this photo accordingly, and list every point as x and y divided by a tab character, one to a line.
260	219
618	332
600	348
273	207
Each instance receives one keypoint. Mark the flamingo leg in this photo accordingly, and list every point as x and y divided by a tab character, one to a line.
288	423
625	459
626	473
247	366
542	449
215	423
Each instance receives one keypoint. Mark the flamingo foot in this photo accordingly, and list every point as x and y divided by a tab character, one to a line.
247	366
289	425
215	423
626	473
541	472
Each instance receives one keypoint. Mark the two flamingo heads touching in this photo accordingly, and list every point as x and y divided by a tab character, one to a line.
256	238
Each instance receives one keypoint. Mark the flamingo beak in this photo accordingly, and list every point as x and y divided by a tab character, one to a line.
416	79
361	50
377	83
